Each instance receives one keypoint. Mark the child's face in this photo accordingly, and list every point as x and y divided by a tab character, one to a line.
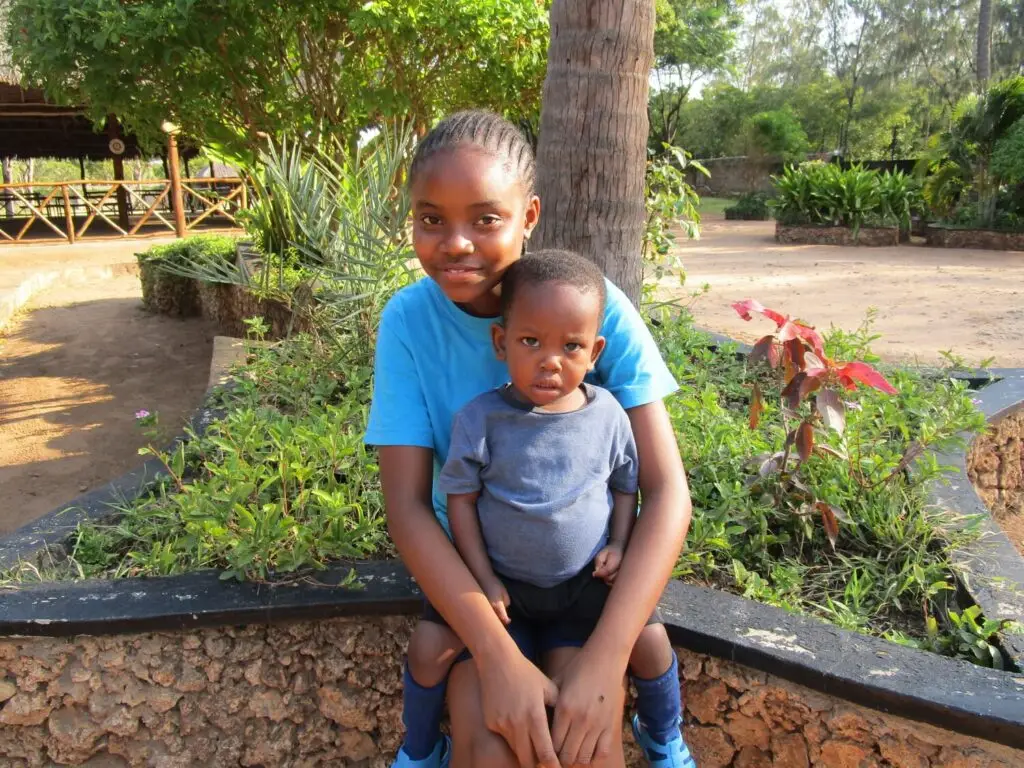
470	216
550	340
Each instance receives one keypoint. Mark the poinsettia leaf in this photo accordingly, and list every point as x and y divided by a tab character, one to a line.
804	440
832	410
812	337
756	406
795	347
745	307
791	392
812	361
762	350
865	374
829	521
809	385
771	465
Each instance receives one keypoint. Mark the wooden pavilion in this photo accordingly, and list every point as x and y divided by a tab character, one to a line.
31	126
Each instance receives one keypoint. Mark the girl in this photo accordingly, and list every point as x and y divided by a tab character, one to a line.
471	183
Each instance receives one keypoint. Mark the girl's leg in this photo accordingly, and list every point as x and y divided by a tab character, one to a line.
555	661
473	746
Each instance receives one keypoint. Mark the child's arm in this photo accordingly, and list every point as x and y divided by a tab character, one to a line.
469	540
608	560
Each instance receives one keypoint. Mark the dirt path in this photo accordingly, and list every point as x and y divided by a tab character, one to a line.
74	369
928	299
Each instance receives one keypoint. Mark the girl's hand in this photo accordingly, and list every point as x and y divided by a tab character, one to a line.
607	562
498	597
514	694
589	708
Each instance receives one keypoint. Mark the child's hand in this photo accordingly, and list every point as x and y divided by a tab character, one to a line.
607	562
498	597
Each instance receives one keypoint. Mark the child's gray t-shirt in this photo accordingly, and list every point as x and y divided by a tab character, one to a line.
545	479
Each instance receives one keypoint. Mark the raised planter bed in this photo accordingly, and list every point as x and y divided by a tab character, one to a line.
193	670
812	235
733	215
939	236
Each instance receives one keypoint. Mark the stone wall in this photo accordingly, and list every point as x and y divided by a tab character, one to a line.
328	693
734	176
867	236
942	237
995	465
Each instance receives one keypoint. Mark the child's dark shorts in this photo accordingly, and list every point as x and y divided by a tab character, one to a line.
545	618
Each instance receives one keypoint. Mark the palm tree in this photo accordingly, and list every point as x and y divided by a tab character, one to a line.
591	152
984	49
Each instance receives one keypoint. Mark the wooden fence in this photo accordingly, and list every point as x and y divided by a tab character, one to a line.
68	209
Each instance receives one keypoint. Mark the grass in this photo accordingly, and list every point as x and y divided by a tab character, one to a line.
714	206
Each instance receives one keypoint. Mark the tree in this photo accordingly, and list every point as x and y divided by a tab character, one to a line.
593	134
227	72
984	42
777	135
692	41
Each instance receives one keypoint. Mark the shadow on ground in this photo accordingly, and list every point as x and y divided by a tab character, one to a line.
73	371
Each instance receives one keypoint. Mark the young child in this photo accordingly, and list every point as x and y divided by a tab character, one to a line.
474	207
541	481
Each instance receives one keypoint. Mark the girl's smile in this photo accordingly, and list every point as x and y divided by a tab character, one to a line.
471	214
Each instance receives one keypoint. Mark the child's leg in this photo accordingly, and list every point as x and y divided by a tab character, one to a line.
655	674
433	648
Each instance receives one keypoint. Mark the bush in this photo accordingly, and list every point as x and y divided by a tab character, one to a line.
827	195
753	206
777	134
169	293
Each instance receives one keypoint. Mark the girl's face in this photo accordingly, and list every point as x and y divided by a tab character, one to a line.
470	217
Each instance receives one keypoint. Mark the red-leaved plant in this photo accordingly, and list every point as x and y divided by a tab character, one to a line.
808	376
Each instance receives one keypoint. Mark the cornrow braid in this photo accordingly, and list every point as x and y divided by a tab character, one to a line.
488	131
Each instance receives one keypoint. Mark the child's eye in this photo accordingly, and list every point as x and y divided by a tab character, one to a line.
490	220
529	341
430	220
573	346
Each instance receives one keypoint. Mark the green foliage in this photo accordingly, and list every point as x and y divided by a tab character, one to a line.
230	71
169	293
893	551
671	203
776	134
332	223
965	162
826	194
1008	154
281	484
753	206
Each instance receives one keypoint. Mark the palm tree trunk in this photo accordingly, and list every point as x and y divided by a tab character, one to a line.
592	150
984	51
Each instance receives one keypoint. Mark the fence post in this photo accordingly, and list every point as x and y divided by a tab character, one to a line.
69	220
177	199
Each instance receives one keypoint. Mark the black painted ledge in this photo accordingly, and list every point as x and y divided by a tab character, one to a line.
921	686
994	568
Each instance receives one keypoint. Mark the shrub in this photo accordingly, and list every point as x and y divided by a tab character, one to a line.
776	134
753	206
169	293
820	194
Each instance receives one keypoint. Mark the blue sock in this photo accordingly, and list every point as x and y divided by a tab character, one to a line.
659	703
422	709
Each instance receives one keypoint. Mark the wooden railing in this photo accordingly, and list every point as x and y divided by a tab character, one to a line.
68	209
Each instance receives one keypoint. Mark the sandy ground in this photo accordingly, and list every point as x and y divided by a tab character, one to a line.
75	366
928	299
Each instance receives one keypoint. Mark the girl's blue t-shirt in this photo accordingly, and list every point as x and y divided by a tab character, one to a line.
432	358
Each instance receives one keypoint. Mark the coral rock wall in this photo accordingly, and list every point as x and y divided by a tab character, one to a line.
328	693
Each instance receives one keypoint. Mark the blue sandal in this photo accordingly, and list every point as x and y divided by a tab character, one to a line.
674	754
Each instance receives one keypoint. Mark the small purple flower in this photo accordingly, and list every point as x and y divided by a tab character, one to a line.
853	406
976	400
143	414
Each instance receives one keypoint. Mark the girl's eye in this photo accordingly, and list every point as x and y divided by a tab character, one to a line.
490	220
573	346
530	341
430	220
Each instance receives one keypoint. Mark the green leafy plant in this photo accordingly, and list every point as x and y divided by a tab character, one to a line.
753	206
165	289
671	202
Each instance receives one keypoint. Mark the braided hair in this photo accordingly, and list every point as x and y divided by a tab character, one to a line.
485	130
552	266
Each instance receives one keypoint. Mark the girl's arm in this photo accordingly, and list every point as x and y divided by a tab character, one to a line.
586	689
514	691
